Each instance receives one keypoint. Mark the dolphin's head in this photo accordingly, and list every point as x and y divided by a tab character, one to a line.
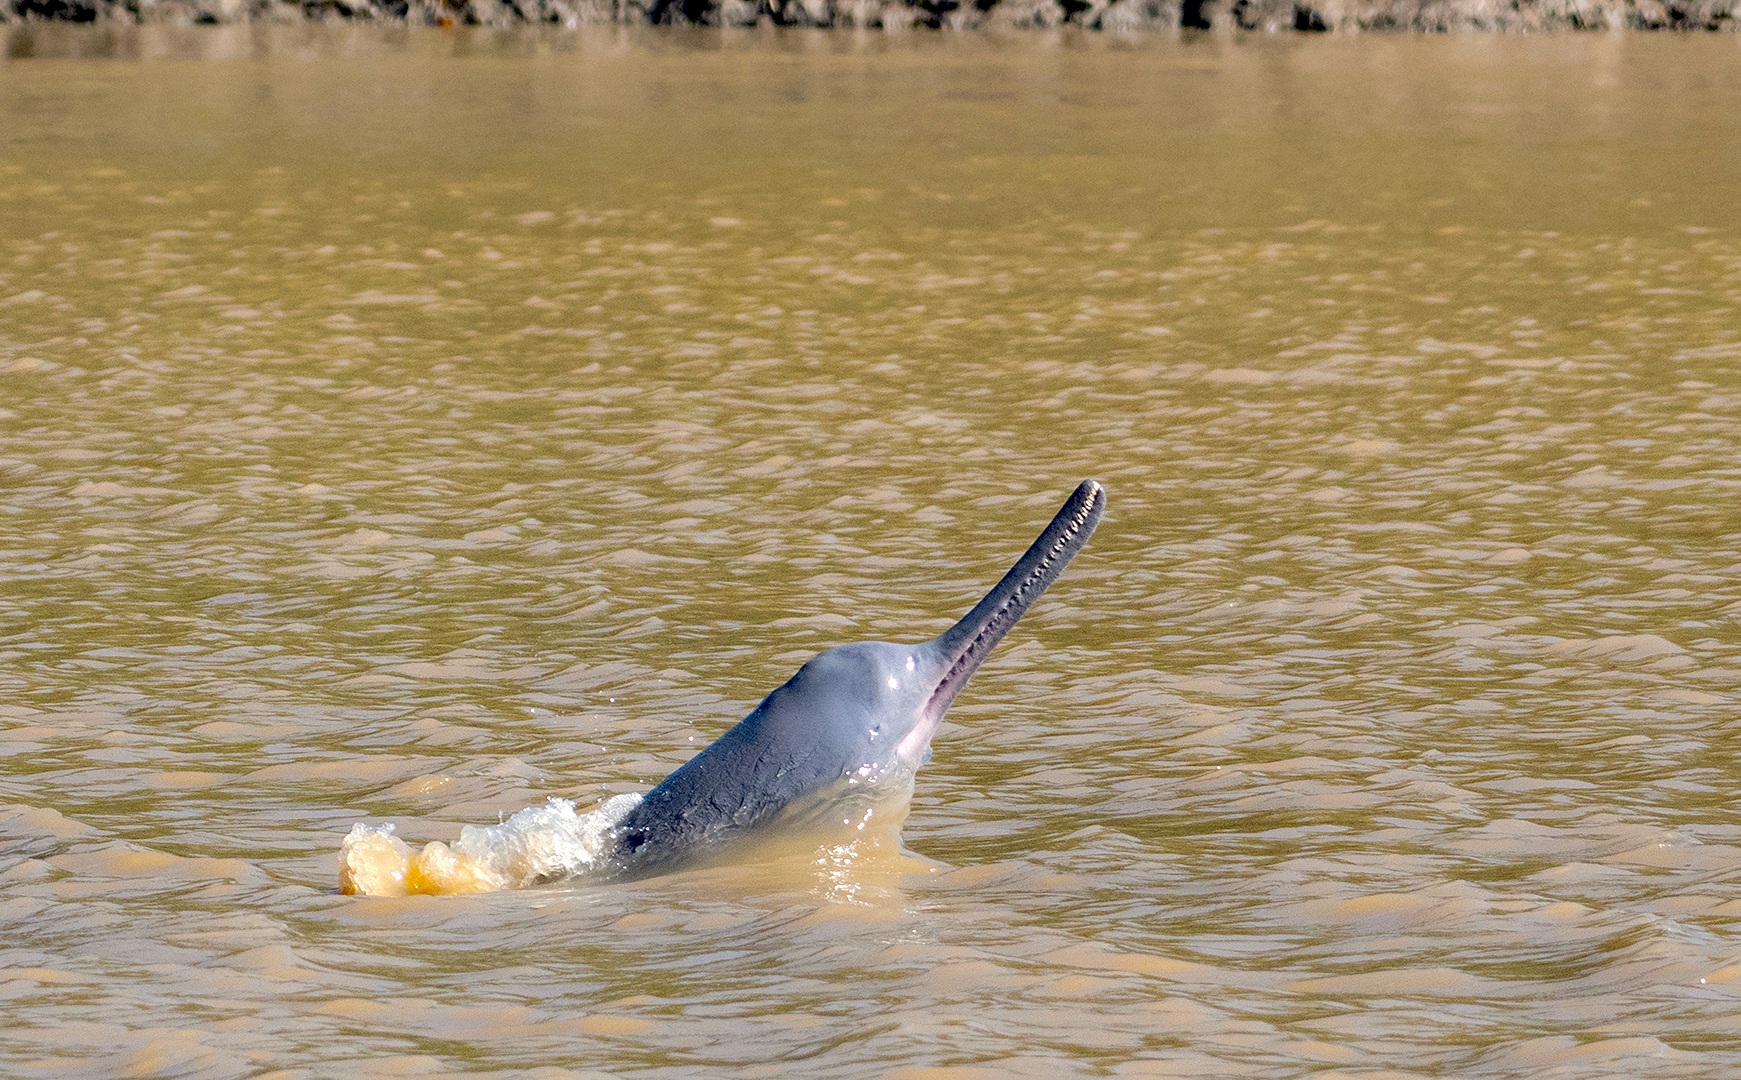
866	708
871	707
852	726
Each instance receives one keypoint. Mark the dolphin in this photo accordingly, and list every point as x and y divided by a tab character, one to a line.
841	738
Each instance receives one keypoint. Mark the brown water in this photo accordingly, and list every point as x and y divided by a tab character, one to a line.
404	427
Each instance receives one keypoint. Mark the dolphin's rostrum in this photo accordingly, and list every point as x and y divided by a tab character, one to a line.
851	726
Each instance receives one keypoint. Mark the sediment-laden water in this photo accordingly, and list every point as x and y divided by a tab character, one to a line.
411	428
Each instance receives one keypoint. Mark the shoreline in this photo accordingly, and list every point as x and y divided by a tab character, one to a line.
1114	16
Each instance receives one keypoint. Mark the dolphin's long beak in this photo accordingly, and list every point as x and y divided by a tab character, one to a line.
964	645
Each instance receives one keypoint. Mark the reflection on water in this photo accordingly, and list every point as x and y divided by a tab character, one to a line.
412	437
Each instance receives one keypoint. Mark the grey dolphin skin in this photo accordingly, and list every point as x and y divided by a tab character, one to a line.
856	721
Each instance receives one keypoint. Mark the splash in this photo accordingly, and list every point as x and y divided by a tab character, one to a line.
537	845
857	818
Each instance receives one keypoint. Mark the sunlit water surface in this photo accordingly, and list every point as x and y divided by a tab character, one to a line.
410	428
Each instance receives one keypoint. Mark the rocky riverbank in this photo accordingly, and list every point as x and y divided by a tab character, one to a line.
1433	16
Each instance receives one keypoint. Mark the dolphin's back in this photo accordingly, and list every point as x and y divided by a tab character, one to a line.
806	735
719	789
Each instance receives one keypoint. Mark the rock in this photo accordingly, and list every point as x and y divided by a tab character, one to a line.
1118	16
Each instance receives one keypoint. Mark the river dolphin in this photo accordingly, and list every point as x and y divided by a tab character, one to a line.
848	730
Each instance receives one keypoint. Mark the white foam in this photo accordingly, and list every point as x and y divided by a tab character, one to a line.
536	845
543	843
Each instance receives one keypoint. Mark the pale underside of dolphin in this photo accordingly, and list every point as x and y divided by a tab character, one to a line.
852	726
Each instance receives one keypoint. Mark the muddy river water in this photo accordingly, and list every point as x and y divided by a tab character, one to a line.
407	428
